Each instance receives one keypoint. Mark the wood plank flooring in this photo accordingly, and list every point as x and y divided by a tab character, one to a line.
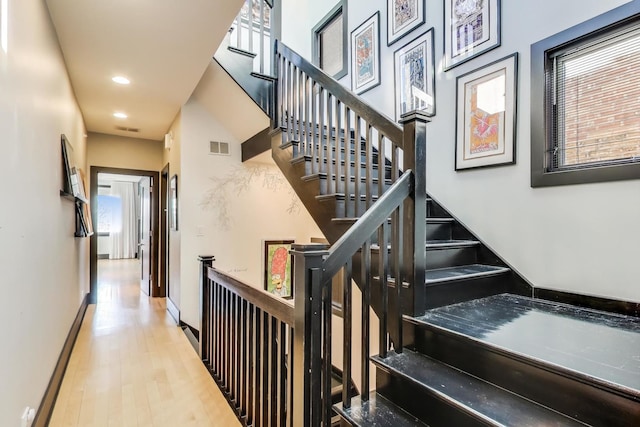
132	366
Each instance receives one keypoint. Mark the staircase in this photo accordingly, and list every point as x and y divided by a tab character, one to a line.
466	340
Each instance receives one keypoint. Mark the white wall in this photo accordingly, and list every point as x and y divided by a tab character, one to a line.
579	238
172	157
228	208
44	270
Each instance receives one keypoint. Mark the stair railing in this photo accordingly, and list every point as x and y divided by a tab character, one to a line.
316	113
253	31
246	344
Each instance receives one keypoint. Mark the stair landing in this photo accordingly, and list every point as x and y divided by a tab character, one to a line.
603	346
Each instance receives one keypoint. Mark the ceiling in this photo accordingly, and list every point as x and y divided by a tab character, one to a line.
162	46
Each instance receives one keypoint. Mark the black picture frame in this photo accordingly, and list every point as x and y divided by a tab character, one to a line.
417	14
409	98
340	10
486	115
66	150
468	34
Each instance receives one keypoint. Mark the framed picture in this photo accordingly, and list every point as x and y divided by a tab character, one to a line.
66	153
365	55
173	202
403	16
278	267
471	27
415	77
486	115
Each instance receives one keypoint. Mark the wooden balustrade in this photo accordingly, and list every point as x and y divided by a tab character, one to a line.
246	343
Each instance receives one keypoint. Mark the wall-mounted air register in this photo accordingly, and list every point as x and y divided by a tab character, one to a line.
219	148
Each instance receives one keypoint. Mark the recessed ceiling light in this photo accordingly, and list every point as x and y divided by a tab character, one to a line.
120	115
121	80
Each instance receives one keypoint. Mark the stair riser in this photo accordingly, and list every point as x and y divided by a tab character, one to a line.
435	211
557	390
421	403
313	167
446	293
439	231
328	187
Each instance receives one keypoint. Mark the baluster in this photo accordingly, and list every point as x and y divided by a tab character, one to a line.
323	146
331	142
315	159
266	339
366	327
245	355
218	339
369	168
273	379
282	377
383	265
290	378
238	361
308	92
327	308
299	105
233	356
239	37
250	26
258	369
347	158
398	251
227	341
338	151
262	37
252	363
357	165
346	343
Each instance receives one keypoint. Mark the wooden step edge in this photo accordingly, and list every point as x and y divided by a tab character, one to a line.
445	244
467	276
460	382
264	77
350	220
377	411
242	52
616	389
329	197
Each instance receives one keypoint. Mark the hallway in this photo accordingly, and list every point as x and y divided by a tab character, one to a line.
132	366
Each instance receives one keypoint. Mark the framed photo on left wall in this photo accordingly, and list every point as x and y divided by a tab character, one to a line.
278	268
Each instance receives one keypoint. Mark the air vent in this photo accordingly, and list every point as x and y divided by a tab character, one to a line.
126	129
219	148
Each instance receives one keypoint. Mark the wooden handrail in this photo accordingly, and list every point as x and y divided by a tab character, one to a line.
277	307
366	225
389	128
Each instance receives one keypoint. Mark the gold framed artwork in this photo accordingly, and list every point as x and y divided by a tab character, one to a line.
486	115
471	27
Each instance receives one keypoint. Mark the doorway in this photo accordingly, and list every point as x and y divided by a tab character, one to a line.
125	207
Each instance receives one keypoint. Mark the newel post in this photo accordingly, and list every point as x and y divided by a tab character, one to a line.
415	211
307	336
206	261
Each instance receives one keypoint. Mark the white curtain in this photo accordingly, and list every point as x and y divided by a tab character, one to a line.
123	236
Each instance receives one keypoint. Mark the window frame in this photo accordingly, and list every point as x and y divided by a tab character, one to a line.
541	114
338	9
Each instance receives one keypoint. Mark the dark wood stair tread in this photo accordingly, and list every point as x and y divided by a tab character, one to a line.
481	400
589	345
463	272
377	411
441	244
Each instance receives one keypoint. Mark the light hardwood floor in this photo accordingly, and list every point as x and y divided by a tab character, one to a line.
132	366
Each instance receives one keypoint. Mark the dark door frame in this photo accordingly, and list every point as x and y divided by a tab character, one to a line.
93	245
164	232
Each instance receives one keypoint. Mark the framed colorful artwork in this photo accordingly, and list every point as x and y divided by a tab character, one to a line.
278	267
486	115
415	76
365	55
403	16
471	27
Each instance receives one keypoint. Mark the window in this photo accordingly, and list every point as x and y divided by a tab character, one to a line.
586	102
330	42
